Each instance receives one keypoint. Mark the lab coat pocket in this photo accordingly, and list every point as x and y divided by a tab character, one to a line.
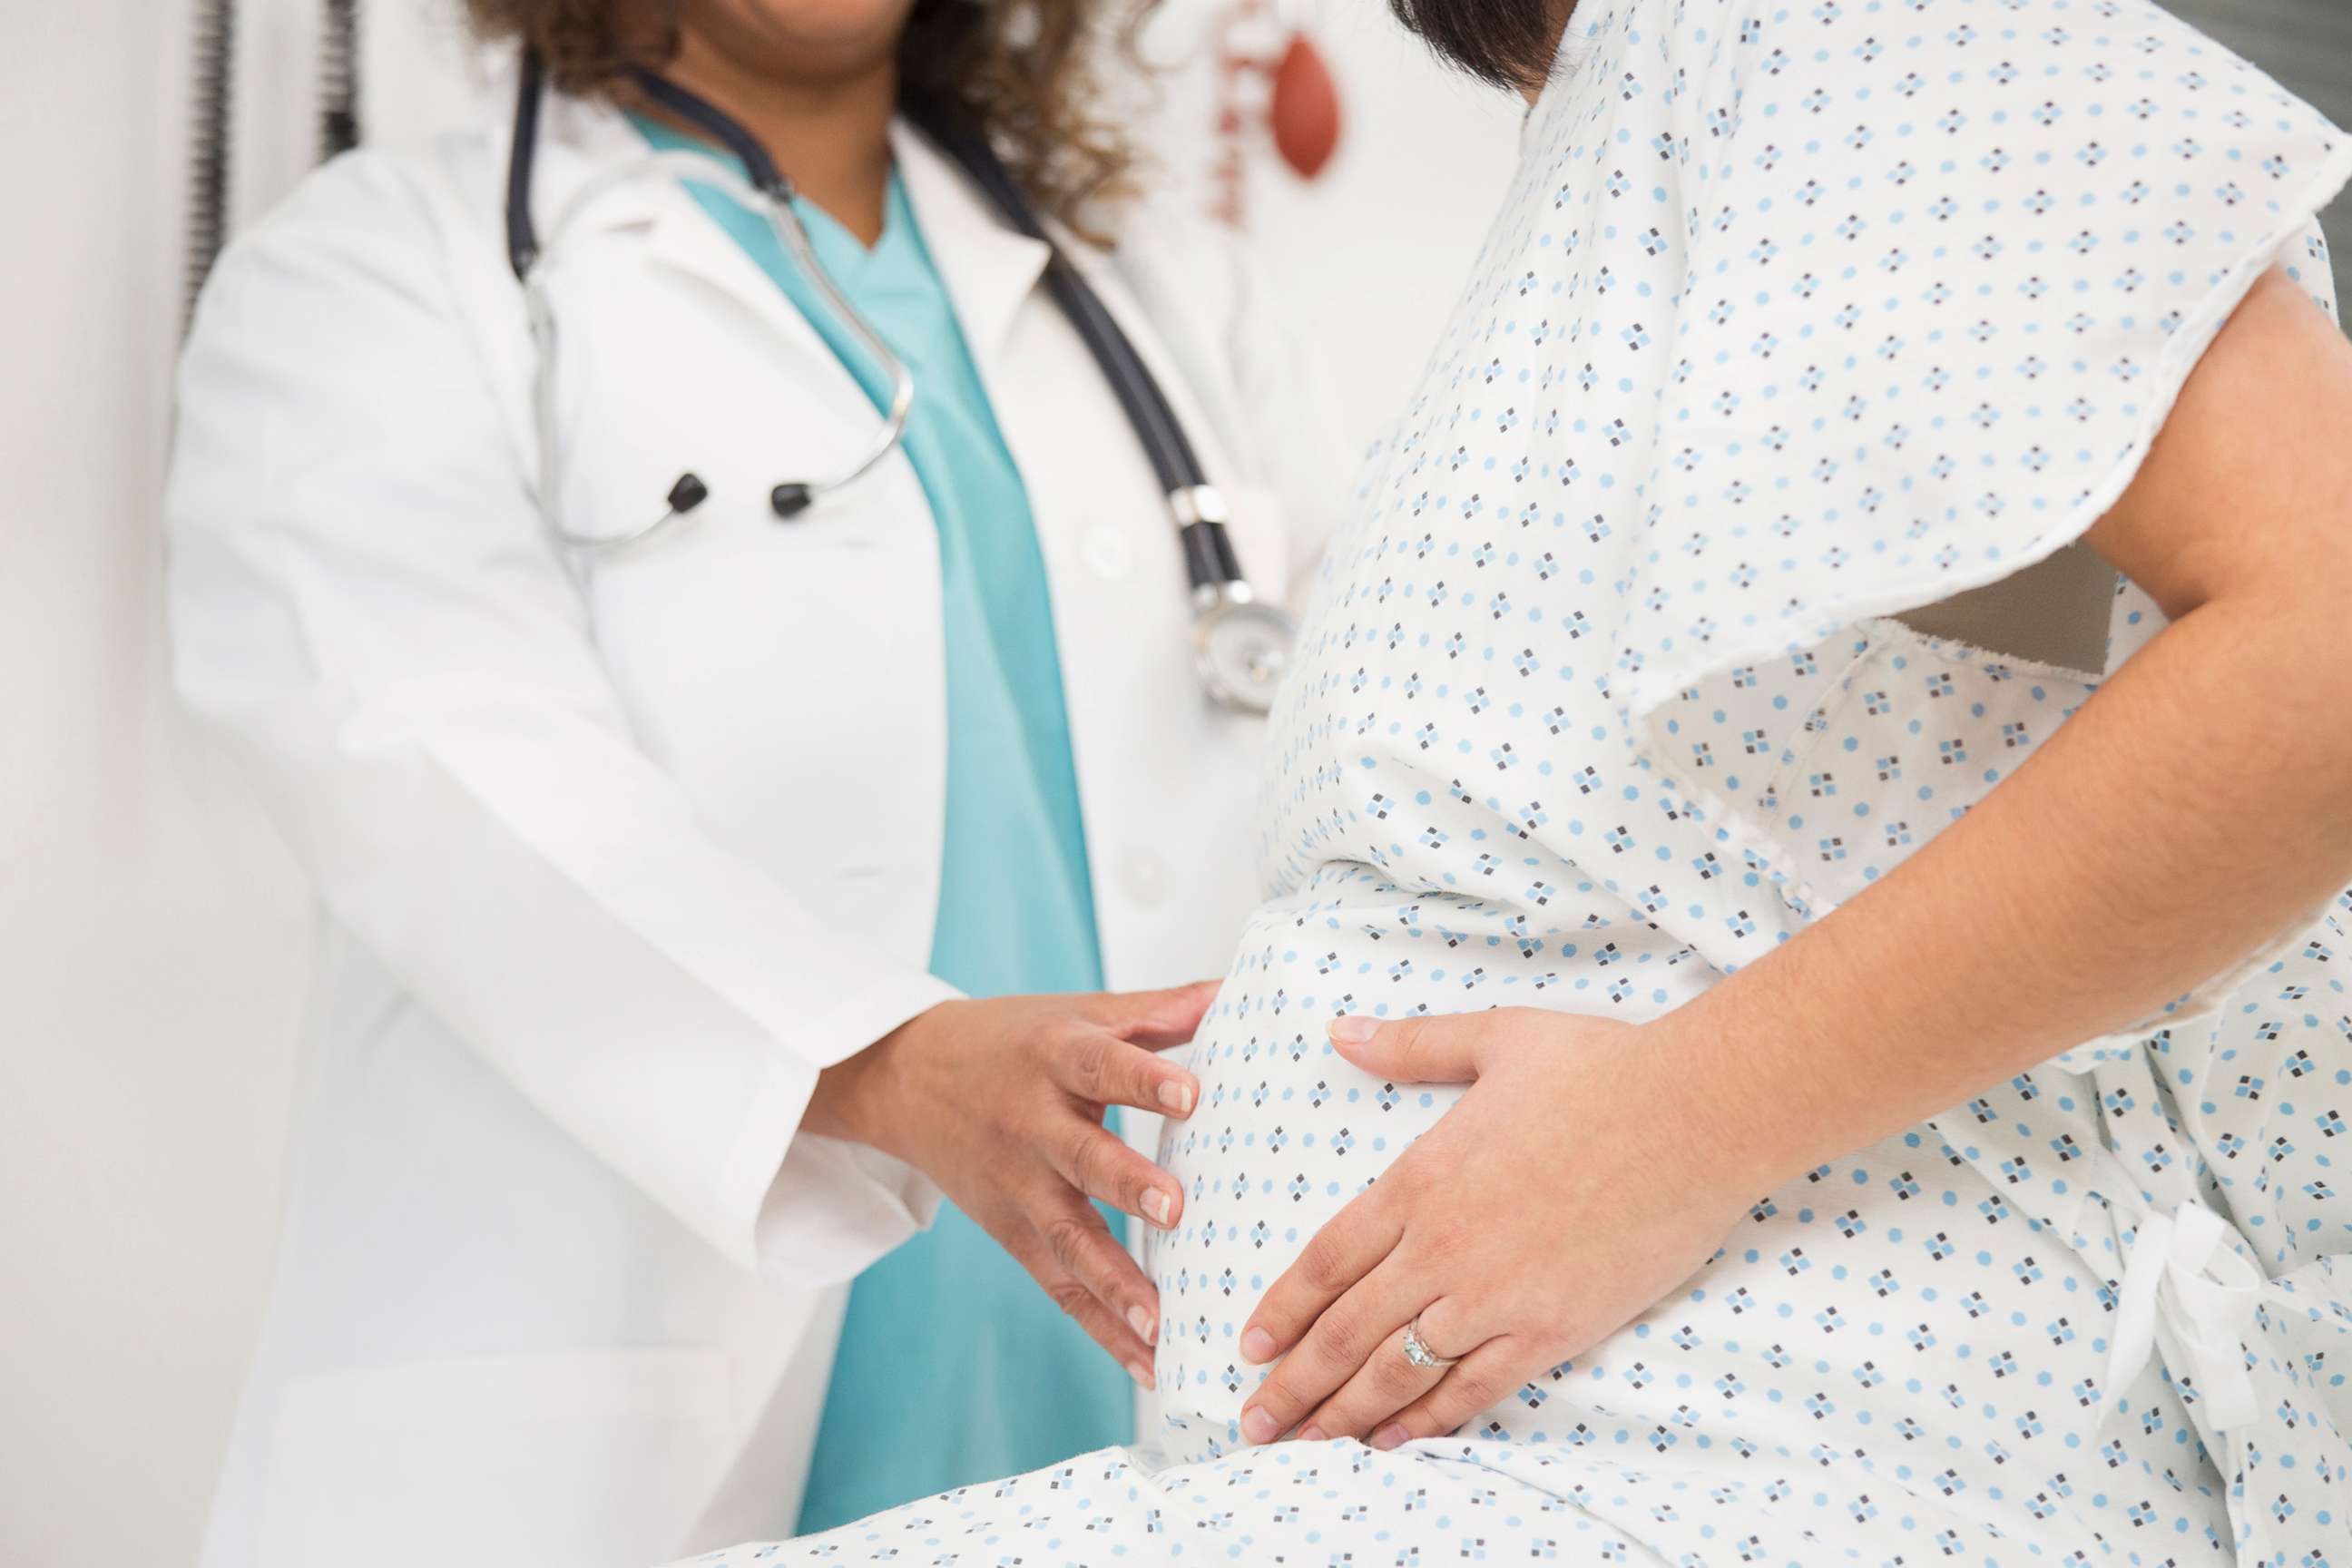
579	1458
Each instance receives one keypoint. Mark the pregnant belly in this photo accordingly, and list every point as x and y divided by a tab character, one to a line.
1288	1131
1892	1287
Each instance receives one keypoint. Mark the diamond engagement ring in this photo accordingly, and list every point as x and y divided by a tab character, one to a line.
1417	1351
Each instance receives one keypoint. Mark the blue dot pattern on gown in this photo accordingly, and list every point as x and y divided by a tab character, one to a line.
1796	315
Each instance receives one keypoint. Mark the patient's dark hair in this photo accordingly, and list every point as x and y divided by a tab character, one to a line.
1508	43
1020	71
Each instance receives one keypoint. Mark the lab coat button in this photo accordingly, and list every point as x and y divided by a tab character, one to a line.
1108	554
1144	875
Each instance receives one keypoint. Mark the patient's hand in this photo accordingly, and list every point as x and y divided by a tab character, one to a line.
1584	1174
1000	1102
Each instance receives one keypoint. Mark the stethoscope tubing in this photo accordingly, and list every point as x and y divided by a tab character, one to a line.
763	192
792	233
1223	607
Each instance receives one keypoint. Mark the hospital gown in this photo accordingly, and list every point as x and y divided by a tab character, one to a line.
1798	313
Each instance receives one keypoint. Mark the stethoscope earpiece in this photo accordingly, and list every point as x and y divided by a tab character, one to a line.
790	499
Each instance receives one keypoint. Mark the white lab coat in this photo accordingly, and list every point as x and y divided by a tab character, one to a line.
615	860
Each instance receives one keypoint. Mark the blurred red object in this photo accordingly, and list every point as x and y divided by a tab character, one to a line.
1272	77
1306	109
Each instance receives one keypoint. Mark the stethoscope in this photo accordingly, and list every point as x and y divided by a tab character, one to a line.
1240	645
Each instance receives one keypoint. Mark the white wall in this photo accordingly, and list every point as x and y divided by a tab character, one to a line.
1370	253
152	933
151	929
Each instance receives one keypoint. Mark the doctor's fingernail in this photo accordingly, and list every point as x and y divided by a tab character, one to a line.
1141	1373
1157	1206
1258	1426
1354	1029
1310	1433
1177	1097
1140	1322
1257	1346
1389	1436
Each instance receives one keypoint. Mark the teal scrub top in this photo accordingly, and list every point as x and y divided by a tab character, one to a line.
954	1367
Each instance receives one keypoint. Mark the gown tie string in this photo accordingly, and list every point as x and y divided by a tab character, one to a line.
2185	1277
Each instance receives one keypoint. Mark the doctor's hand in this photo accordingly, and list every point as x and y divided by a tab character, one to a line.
1000	1102
1588	1170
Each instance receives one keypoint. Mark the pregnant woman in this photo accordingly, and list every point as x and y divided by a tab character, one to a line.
1907	1078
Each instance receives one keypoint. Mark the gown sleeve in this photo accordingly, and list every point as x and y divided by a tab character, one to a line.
1946	269
366	609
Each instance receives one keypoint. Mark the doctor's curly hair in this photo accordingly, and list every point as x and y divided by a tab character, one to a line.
1020	71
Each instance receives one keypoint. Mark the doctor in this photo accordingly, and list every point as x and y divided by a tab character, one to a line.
739	819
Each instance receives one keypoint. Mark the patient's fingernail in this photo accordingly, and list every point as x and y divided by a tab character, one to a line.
1257	1426
1311	1435
1354	1029
1157	1205
1389	1436
1177	1096
1257	1346
1140	1322
1141	1373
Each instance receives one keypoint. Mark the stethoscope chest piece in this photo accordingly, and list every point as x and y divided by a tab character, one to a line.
1240	646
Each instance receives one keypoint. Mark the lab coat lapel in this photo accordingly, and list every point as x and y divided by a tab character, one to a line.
993	270
990	269
685	238
680	234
